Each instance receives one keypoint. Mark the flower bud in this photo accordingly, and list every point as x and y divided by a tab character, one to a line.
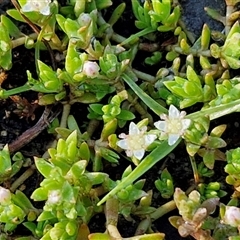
5	196
84	19
54	197
232	216
90	69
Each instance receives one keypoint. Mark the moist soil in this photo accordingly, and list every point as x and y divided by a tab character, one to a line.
12	125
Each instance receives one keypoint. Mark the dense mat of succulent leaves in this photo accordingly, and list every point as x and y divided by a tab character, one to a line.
97	64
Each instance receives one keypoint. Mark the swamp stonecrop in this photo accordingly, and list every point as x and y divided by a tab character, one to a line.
93	67
173	126
136	142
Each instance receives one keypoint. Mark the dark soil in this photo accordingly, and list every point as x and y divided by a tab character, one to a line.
194	15
177	163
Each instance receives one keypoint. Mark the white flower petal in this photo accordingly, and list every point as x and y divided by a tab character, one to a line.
139	154
133	129
173	112
129	153
172	138
143	129
149	138
27	8
161	125
42	6
45	11
123	144
182	114
122	135
163	116
185	124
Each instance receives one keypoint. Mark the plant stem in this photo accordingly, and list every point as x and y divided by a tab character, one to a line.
63	124
29	172
229	11
97	161
144	76
20	41
162	210
111	213
194	168
92	126
189	34
65	114
149	47
143	226
194	52
6	93
118	38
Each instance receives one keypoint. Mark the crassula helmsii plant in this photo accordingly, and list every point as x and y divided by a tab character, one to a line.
94	66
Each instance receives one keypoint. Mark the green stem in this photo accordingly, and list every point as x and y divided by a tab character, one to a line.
189	34
144	76
19	181
92	126
14	91
117	38
194	52
228	24
111	211
143	226
162	210
97	162
155	156
194	168
65	114
20	41
63	124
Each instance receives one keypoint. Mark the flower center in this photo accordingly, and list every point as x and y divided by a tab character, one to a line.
136	142
174	126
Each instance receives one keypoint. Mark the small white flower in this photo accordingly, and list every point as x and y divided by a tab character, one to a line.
84	19
54	197
136	142
174	125
232	216
5	196
90	69
42	6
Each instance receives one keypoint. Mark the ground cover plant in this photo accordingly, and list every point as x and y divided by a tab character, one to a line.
134	117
